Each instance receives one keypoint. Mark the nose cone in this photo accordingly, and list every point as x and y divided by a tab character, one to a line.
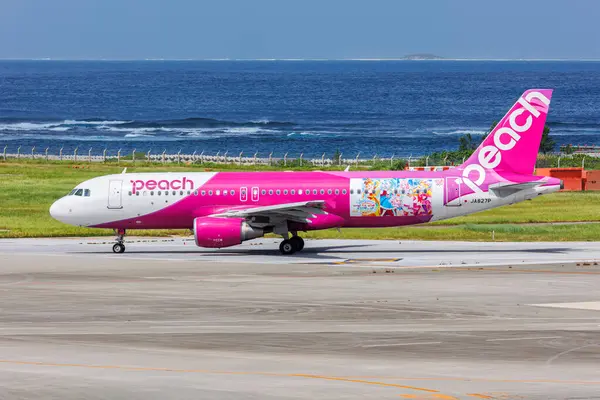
60	211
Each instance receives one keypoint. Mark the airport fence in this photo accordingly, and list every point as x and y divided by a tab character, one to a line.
585	161
226	157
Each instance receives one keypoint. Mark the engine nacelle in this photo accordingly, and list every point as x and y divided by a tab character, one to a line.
223	232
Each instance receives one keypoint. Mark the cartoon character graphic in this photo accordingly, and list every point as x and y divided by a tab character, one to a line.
370	189
392	197
385	203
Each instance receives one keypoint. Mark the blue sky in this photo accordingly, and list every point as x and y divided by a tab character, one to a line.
198	29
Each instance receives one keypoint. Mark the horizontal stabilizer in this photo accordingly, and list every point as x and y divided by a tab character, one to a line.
504	189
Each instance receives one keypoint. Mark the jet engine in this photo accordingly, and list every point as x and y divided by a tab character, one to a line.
223	232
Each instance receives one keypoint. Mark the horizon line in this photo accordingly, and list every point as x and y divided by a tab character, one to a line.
298	59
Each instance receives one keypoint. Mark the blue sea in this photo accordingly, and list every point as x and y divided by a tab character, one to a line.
310	107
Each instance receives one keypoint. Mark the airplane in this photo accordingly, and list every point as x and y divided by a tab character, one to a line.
224	209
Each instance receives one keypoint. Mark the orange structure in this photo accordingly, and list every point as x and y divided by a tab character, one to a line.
592	180
573	178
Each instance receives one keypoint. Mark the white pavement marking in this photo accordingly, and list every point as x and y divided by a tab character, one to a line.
400	344
584	305
523	338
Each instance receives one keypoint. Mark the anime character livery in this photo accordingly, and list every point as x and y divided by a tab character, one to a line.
391	197
224	209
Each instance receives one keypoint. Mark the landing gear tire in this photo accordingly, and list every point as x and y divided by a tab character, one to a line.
298	242
287	247
119	247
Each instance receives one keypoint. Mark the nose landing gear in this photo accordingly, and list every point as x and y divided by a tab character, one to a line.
290	246
119	247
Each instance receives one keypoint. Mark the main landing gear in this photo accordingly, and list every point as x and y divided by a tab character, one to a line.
119	247
290	246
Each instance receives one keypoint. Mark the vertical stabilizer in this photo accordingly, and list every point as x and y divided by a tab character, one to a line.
513	145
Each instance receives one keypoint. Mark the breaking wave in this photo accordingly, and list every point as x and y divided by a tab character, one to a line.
160	130
574	125
461	132
204	123
196	122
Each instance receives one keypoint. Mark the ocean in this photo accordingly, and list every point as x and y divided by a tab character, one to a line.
379	108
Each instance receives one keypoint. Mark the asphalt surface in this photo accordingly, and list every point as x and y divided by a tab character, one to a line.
344	319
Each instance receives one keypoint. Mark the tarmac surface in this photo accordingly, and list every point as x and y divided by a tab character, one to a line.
342	319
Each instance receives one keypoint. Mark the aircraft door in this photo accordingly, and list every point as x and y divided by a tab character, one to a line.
452	191
114	194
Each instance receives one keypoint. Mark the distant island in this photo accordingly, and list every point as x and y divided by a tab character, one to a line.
422	56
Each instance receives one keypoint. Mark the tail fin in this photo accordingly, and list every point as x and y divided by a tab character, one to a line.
513	144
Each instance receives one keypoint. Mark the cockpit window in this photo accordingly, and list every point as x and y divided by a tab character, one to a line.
80	192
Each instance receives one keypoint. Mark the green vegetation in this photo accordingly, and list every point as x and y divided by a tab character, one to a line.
547	144
28	188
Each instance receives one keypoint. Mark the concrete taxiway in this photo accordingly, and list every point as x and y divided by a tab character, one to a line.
343	319
392	253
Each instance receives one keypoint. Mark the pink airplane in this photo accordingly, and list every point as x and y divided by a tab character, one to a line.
226	208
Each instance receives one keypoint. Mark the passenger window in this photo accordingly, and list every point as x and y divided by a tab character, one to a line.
358	191
299	191
158	193
285	191
232	192
79	192
344	191
351	191
278	192
263	192
203	193
196	192
130	193
181	193
314	191
293	191
137	193
329	191
174	193
210	192
271	192
166	192
152	193
224	192
322	191
337	191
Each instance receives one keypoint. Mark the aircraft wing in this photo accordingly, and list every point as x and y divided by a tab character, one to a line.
299	212
506	189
